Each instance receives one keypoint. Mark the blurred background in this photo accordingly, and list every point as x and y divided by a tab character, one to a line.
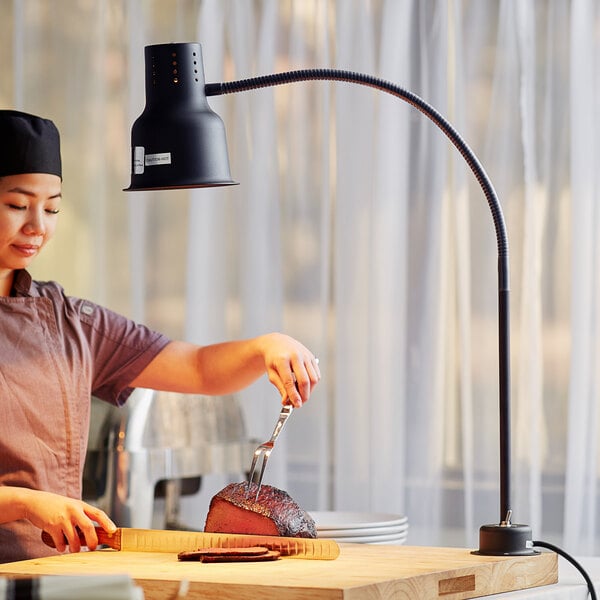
358	229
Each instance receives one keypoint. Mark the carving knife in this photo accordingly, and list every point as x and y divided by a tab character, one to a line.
158	540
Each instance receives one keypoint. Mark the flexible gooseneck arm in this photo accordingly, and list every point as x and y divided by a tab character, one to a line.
216	89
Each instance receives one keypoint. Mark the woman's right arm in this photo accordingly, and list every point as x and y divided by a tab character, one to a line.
56	514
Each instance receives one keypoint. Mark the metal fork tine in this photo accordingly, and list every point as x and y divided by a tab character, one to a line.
262	471
253	467
261	452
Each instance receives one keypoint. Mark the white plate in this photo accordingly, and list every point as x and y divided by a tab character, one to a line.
393	530
371	539
355	520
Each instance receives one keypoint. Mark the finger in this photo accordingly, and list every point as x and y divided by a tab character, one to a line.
59	540
316	368
72	537
103	520
312	368
307	377
88	534
292	389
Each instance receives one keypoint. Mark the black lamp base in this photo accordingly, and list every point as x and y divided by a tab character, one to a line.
505	540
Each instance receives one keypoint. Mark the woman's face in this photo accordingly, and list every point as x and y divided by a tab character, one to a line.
29	207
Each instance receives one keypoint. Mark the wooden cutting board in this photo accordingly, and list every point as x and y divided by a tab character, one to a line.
361	571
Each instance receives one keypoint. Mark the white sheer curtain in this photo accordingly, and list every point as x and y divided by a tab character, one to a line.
357	229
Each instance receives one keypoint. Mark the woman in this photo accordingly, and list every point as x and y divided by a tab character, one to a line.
56	351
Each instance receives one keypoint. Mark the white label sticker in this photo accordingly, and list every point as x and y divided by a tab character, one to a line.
138	160
86	309
164	158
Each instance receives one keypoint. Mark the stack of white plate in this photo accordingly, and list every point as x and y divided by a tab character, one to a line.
362	528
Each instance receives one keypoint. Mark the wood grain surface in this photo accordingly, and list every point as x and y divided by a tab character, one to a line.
361	571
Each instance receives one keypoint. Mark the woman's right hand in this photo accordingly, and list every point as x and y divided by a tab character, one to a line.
58	515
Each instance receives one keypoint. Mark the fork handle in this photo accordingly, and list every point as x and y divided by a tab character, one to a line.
284	414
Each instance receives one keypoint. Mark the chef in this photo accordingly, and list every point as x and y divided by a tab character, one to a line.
56	351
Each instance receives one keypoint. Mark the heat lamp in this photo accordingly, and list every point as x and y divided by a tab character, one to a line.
178	142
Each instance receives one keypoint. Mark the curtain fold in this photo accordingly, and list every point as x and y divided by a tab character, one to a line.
582	457
358	229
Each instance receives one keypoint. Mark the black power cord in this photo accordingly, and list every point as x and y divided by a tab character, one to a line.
576	564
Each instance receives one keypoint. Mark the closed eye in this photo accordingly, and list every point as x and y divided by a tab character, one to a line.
50	211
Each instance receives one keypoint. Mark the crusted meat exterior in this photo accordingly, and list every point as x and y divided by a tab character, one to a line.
273	513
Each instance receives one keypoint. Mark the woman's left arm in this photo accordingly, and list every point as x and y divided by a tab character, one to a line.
227	367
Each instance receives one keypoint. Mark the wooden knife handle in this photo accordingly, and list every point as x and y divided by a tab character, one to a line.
112	540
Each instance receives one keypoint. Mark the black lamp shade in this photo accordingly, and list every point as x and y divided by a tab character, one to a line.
178	141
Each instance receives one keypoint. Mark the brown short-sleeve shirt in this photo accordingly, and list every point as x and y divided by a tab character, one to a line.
55	353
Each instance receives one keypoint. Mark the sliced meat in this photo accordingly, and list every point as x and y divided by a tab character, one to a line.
273	513
218	558
251	551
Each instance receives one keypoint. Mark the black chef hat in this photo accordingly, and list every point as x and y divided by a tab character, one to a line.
28	144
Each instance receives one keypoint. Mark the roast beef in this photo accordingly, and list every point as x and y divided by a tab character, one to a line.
235	509
252	553
267	556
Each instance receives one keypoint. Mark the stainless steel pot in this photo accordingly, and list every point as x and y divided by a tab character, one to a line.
160	437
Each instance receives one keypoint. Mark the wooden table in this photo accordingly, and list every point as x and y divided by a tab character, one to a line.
361	571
